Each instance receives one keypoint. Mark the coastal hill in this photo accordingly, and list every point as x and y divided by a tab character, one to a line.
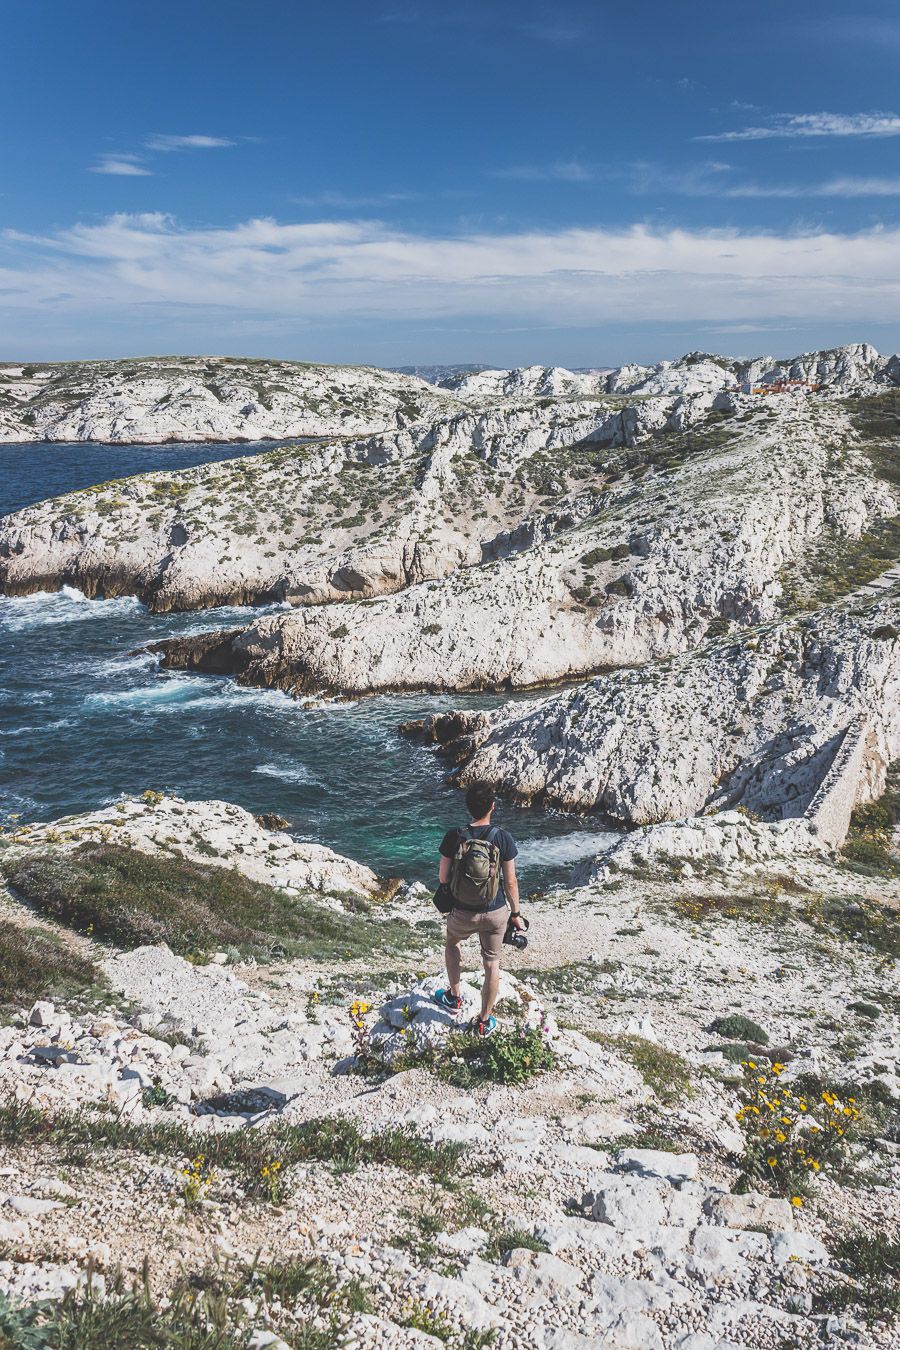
218	1041
205	398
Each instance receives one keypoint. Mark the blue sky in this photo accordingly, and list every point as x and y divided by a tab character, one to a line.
396	182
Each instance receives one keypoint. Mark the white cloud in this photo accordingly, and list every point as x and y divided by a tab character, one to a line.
706	179
342	201
563	171
159	142
124	166
349	271
794	125
834	187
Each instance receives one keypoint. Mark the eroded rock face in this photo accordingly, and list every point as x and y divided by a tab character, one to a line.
314	524
756	721
206	399
637	574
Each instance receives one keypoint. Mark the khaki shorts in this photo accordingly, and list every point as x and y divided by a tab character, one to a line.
489	928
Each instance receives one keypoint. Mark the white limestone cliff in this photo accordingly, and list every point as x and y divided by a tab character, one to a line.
756	721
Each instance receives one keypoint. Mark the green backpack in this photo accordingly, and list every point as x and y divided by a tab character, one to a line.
475	871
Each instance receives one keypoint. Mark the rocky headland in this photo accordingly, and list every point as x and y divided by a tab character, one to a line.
716	562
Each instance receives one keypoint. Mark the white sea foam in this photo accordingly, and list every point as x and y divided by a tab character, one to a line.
38	731
68	605
558	849
160	692
296	773
226	616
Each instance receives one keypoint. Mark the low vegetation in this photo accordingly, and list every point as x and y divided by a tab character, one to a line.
130	898
790	1137
667	1073
870	1264
206	1310
737	1027
36	964
509	1057
839	565
244	1154
870	849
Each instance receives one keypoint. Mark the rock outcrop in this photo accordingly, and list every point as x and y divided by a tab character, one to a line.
857	368
216	834
196	398
756	721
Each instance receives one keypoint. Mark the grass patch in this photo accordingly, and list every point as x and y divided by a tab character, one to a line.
872	1263
870	853
244	1153
575	977
204	1311
505	1240
36	964
448	1211
130	898
853	918
86	1321
667	1073
856	918
837	565
508	1057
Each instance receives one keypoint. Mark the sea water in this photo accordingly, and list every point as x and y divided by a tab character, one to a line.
84	720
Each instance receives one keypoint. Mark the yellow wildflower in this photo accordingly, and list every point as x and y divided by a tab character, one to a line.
796	1202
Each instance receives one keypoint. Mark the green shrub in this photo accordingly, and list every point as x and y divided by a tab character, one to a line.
871	854
21	1326
508	1057
883	814
737	1027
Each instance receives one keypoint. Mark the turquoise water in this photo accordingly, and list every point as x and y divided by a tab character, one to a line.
82	721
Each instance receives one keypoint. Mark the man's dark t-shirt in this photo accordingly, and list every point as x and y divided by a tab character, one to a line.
502	838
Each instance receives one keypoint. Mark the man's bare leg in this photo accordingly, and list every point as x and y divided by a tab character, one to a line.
453	962
490	988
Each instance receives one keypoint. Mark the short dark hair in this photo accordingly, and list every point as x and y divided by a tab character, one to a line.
479	798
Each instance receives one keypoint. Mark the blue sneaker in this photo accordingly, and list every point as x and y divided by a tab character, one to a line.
484	1028
452	1002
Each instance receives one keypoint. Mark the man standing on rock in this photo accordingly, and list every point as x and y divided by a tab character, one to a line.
478	868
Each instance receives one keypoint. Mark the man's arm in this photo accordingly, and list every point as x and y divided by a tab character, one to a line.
511	886
444	870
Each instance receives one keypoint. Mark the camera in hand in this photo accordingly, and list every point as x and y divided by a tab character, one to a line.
514	938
